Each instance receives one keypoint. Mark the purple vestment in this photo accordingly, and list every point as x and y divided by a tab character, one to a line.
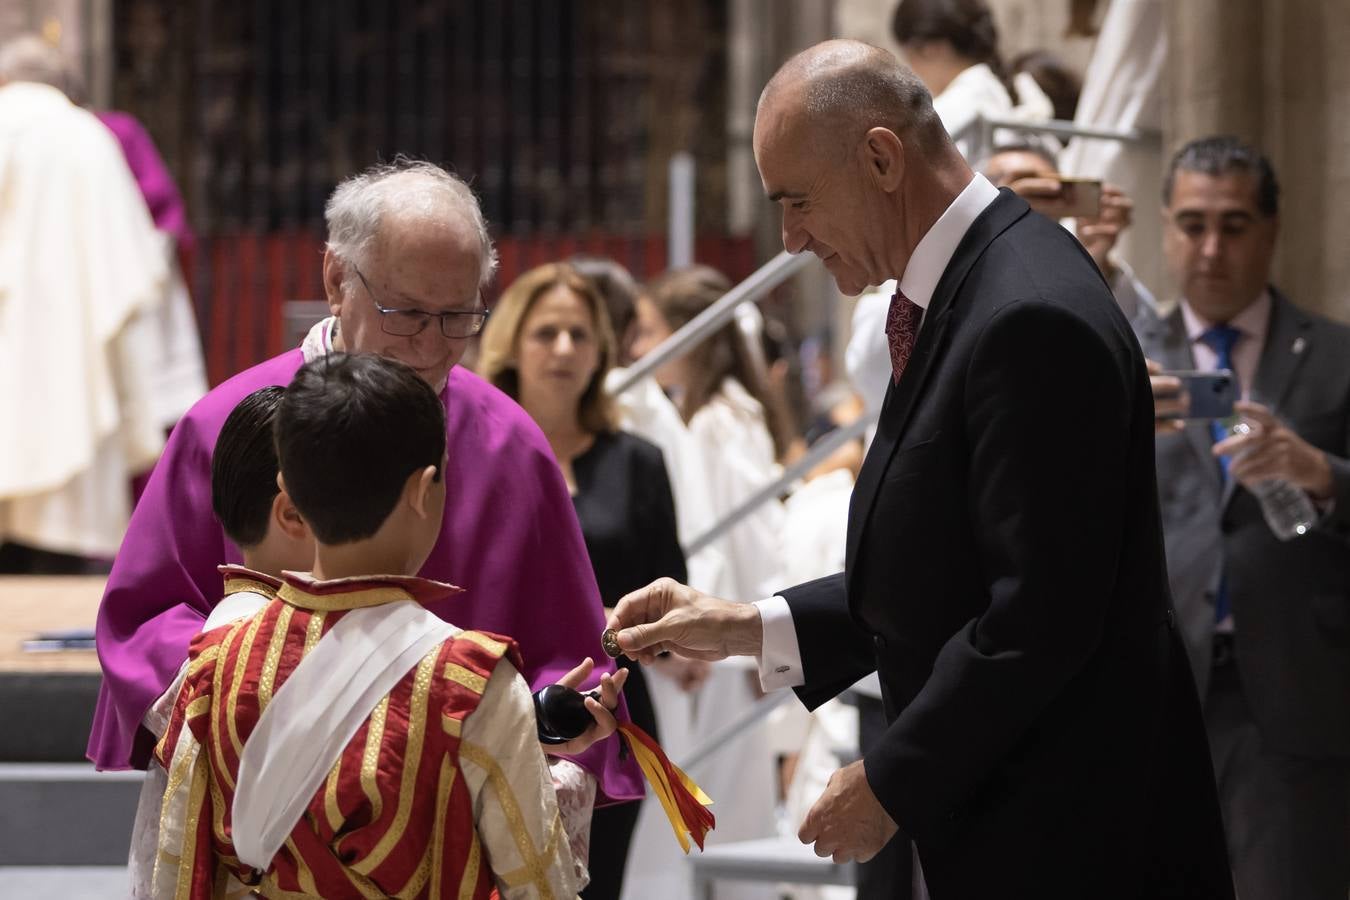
157	185
510	538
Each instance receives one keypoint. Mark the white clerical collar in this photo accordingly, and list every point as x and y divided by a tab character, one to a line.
936	248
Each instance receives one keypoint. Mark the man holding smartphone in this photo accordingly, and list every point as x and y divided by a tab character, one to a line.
1101	212
1266	622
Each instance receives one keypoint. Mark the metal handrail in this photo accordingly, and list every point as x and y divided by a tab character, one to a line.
705	324
817	454
723	736
1066	128
980	130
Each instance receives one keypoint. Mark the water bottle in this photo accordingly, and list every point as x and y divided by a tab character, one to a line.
1287	509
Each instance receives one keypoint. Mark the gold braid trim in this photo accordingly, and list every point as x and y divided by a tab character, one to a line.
240	666
218	691
371	758
465	678
535	870
196	800
445	782
274	647
469	883
347	600
411	760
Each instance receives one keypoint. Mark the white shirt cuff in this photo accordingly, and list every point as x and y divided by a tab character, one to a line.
780	659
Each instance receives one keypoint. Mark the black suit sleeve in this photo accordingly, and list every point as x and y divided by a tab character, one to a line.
1049	437
835	651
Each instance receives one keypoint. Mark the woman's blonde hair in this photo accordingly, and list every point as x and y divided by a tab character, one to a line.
497	355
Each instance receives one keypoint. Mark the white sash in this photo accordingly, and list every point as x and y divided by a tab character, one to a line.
316	713
239	605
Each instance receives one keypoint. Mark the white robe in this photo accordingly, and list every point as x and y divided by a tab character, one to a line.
647	412
80	260
977	92
1123	89
723	456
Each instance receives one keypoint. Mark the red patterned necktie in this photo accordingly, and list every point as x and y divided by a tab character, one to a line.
902	329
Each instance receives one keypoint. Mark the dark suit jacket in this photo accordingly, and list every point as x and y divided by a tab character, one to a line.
1005	576
1290	600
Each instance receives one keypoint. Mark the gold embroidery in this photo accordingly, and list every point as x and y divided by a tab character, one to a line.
346	600
370	760
196	799
181	764
367	887
452	726
196	708
218	691
420	876
469	882
218	804
496	648
273	891
330	801
462	676
535	868
274	647
313	631
240	666
519	876
302	872
240	585
417	717
436	849
206	656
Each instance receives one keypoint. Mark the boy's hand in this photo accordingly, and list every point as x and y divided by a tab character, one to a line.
602	710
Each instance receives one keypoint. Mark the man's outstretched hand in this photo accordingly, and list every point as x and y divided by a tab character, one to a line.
847	823
669	616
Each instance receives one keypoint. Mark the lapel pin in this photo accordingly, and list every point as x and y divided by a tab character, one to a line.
1299	344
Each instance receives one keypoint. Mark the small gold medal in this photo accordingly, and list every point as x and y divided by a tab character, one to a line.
609	641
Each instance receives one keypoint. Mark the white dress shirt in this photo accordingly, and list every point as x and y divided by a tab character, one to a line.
780	660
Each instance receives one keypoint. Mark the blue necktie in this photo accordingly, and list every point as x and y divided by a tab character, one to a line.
1221	339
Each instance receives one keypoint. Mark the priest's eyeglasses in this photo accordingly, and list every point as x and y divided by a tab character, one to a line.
455	323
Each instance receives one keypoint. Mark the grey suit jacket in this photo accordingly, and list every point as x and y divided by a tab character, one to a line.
1290	600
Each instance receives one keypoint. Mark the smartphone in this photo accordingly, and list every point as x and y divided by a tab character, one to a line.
1081	198
1211	395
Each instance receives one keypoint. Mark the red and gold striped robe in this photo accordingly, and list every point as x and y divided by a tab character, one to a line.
395	817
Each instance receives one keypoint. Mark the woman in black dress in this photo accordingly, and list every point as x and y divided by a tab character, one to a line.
548	345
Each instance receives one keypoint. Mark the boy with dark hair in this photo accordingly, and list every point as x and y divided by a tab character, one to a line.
272	537
349	742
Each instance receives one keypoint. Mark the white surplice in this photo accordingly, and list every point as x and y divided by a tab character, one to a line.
732	457
1122	89
80	259
646	411
977	92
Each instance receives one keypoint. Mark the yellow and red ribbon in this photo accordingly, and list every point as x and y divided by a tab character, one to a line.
684	801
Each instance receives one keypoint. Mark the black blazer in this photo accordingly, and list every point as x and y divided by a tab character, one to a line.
1005	576
1290	600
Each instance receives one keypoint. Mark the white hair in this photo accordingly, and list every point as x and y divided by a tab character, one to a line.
358	205
29	57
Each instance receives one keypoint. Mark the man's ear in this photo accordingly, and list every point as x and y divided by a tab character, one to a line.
334	270
884	156
417	491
